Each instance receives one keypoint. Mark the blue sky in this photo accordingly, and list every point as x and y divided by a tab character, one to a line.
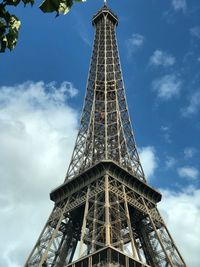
42	86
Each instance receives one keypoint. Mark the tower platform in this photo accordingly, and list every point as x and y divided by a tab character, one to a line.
99	170
107	257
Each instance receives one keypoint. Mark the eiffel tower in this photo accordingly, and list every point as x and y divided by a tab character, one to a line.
105	213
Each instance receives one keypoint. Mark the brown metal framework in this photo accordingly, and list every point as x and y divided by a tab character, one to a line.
105	213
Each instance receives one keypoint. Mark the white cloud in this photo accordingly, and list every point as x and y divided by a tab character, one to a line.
135	42
181	212
188	172
149	160
179	5
164	128
189	152
170	162
160	58
166	133
167	86
194	105
195	31
37	135
81	27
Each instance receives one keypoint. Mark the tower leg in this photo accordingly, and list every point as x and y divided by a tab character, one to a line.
83	230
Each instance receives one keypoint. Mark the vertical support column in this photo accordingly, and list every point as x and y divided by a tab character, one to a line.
174	245
73	251
119	224
53	236
107	210
109	258
83	230
38	241
94	224
158	235
105	86
90	261
146	245
127	261
94	157
133	246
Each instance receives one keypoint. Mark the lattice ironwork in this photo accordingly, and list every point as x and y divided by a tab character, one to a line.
105	213
105	131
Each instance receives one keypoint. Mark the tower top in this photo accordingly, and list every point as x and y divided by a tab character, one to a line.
105	133
105	12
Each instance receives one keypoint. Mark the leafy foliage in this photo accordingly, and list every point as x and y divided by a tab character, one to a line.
10	24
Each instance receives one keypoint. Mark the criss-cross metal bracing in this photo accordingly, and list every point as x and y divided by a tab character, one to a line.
105	214
105	131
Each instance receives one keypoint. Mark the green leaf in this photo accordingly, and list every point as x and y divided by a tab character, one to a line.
28	2
63	8
9	28
49	6
12	35
12	2
14	23
59	6
3	44
2	27
10	24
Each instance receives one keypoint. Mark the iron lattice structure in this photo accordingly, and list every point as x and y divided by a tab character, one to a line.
105	213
